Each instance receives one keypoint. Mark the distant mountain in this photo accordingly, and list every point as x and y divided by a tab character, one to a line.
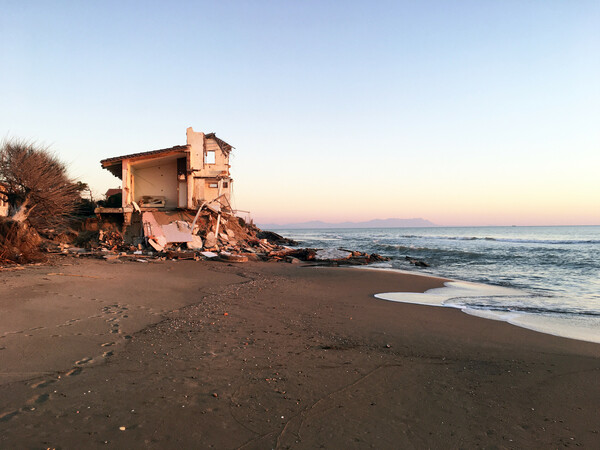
377	223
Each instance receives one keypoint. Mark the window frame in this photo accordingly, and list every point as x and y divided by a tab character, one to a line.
214	157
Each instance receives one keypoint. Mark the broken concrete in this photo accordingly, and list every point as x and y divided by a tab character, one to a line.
188	235
195	243
332	254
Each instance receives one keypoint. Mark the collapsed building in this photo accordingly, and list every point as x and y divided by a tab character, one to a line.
176	202
180	177
169	195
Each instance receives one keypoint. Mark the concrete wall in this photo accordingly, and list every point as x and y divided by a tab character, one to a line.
196	152
203	190
156	180
210	192
221	164
198	190
199	182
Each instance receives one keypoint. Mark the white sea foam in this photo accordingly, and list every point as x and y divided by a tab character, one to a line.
457	294
564	325
451	290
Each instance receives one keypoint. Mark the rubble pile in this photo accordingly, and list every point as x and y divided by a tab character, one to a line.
112	241
212	233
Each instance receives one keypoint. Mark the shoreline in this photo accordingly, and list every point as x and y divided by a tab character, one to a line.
269	354
552	324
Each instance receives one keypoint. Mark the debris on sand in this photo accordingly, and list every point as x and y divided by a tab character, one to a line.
210	233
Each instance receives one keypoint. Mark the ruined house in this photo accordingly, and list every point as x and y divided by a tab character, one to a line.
179	177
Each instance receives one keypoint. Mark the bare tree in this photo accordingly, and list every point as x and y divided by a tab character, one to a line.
38	187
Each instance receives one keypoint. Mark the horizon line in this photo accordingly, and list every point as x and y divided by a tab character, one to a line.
283	225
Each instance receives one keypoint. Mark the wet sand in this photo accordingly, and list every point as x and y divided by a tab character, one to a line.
270	355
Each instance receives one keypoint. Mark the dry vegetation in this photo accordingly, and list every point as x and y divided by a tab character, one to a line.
40	195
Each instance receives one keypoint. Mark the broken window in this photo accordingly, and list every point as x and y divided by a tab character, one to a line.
210	157
181	166
181	169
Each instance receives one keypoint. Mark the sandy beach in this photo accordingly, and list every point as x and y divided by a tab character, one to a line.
185	354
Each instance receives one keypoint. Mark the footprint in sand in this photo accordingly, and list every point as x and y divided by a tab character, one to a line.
68	323
6	416
74	371
38	399
42	384
83	361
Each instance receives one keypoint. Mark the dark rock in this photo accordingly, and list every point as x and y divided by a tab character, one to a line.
375	257
416	262
275	238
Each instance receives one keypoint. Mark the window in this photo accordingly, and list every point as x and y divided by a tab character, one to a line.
210	157
213	185
225	184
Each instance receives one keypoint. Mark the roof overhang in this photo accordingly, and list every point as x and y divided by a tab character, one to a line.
115	164
224	146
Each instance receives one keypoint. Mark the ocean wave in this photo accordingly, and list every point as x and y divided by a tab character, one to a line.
550	241
446	238
429	251
511	240
496	304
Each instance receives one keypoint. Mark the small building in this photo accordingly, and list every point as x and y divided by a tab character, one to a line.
3	201
179	177
112	191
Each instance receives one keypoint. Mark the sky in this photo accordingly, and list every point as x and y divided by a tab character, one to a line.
459	112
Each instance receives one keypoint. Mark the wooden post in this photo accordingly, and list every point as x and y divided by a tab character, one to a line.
196	217
126	178
218	223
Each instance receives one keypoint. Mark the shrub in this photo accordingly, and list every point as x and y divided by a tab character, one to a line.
39	189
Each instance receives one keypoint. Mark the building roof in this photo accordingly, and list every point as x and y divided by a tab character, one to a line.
114	164
107	162
224	146
113	191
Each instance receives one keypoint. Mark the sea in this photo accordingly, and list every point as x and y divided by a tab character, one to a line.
543	278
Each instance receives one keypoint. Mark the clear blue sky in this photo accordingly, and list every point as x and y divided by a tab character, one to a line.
472	112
